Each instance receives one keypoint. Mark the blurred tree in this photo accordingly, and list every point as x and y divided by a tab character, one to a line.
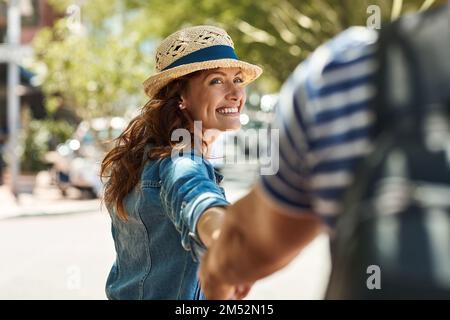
98	67
92	59
276	34
33	144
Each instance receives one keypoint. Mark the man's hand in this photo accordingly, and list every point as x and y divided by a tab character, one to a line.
208	226
256	239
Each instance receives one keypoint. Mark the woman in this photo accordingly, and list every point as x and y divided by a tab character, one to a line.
166	209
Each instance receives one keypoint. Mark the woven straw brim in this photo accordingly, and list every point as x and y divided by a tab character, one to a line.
157	81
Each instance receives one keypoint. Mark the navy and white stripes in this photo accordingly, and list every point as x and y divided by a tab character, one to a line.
324	117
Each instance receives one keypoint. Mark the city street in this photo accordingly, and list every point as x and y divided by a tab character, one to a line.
69	256
343	104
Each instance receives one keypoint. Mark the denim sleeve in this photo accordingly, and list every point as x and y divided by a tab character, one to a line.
187	190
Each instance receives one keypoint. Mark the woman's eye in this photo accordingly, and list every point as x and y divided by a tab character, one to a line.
238	80
216	81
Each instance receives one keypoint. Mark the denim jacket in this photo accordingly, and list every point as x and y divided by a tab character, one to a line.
158	248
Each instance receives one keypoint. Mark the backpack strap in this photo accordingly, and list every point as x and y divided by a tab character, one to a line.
414	73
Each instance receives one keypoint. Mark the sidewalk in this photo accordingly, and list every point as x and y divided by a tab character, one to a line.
45	199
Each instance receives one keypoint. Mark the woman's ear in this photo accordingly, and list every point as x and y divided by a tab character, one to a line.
182	103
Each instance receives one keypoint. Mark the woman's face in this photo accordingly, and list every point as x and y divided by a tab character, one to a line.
216	97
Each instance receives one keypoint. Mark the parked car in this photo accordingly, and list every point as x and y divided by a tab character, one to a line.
76	162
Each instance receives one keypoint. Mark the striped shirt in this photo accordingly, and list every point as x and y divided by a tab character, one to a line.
324	118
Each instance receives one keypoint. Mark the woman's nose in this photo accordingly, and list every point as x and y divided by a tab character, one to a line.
236	92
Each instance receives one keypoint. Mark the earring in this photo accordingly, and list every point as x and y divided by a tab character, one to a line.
181	106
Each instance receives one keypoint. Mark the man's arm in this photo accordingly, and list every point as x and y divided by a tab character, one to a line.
257	238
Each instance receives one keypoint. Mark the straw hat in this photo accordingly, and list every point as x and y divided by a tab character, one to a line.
193	49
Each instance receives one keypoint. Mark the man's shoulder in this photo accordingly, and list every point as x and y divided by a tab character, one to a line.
336	75
353	45
347	45
353	37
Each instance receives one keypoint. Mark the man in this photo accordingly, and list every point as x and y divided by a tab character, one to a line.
324	119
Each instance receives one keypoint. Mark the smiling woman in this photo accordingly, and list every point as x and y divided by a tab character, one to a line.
216	98
165	211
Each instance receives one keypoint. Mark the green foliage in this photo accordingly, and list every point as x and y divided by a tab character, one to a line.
58	131
276	34
38	137
35	146
99	70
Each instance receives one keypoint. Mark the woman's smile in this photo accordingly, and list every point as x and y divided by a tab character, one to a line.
229	111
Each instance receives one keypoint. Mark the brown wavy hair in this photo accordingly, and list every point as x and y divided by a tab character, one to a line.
159	117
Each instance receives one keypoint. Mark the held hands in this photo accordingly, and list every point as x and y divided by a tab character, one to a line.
211	277
213	285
